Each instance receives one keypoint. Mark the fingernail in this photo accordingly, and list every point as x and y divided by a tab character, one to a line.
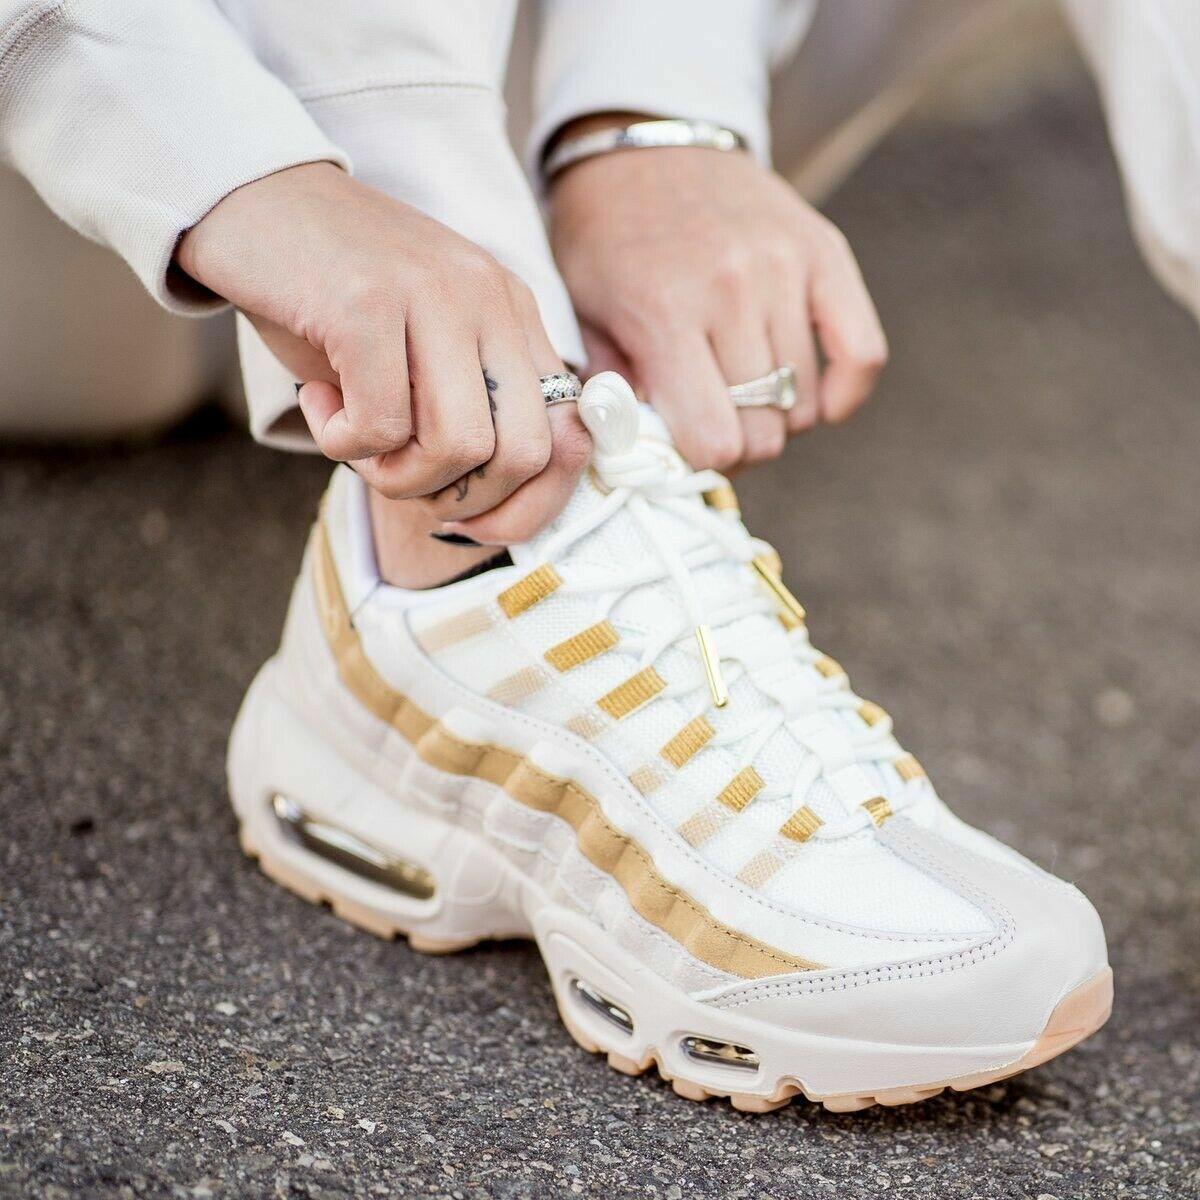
454	539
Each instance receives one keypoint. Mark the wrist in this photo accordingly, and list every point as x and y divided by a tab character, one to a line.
590	122
611	135
585	124
238	224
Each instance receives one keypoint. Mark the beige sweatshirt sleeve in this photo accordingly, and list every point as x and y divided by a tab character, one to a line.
133	118
1145	57
704	59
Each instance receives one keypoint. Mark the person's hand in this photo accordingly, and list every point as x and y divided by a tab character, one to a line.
421	355
693	270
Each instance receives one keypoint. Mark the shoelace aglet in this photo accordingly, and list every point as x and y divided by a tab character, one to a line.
791	610
712	666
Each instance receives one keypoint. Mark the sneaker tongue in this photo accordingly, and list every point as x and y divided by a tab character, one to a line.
585	498
647	425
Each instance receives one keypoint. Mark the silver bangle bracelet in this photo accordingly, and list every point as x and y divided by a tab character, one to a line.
640	135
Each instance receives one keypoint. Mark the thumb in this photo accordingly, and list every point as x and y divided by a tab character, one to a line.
372	412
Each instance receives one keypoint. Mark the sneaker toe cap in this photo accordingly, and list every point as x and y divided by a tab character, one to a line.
977	1005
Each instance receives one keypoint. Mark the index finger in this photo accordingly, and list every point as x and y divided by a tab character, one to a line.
539	500
848	329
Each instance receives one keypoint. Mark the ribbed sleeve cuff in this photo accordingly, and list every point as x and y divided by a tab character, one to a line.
702	59
132	121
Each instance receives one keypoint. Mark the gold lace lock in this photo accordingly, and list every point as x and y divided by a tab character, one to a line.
791	611
712	666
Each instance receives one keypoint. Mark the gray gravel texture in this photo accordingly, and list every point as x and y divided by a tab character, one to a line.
1003	549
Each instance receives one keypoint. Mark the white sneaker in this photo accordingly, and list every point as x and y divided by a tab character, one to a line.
624	747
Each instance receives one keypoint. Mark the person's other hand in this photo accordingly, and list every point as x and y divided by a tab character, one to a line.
421	355
693	270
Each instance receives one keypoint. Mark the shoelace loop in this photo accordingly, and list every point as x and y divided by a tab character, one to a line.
650	475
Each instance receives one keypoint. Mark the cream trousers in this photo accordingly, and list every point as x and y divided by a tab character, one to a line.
87	353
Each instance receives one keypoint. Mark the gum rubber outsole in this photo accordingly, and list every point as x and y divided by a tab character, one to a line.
1077	1016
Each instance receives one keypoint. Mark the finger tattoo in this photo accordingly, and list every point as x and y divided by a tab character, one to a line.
462	485
492	386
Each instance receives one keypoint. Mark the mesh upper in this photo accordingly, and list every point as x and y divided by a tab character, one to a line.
852	879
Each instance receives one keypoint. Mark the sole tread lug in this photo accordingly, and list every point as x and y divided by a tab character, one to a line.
626	1065
746	1102
689	1090
423	944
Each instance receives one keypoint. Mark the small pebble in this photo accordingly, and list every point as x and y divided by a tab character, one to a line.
1113	707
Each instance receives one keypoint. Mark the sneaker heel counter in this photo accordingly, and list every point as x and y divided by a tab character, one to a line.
301	607
305	657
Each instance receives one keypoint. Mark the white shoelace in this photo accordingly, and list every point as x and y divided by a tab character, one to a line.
644	479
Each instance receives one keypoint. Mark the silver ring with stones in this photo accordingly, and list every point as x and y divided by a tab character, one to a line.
776	390
563	388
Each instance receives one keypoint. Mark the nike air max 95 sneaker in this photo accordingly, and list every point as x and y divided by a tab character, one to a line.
625	747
